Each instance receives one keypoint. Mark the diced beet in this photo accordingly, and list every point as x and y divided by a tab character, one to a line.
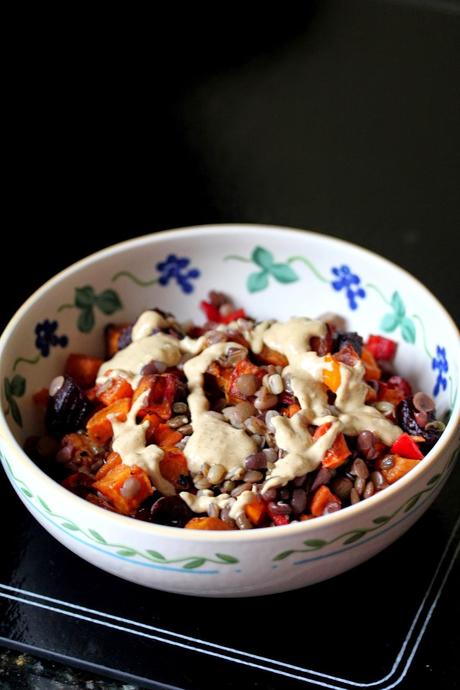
67	409
172	511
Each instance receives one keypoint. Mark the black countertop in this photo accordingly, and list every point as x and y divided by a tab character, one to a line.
336	116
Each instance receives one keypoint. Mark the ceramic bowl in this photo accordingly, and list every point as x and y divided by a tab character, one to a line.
271	272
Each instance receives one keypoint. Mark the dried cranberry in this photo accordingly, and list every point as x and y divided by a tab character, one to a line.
171	511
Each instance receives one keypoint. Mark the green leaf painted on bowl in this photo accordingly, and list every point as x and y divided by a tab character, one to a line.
195	563
226	558
98	537
156	555
108	301
85	322
358	534
70	525
397	318
349	538
262	257
398	305
44	504
18	386
257	281
127	552
15	412
408	330
315	543
389	322
284	554
283	273
26	492
435	478
84	297
381	520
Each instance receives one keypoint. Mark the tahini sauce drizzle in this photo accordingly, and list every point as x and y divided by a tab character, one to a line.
129	443
213	439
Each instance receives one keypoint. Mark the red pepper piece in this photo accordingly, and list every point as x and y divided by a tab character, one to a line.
237	314
279	519
212	313
406	447
381	348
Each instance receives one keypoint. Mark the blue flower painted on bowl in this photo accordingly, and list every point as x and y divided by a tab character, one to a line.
175	267
47	337
440	363
348	281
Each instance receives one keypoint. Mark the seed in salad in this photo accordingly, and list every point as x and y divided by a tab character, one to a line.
359	485
264	399
253	476
55	385
130	488
275	384
387	463
216	473
176	422
186	430
422	402
246	486
341	487
369	490
354	496
247	384
378	480
255	425
298	501
331	507
256	461
243	522
269	416
366	444
180	408
213	510
360	469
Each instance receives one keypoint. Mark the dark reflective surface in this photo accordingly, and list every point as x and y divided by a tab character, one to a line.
339	116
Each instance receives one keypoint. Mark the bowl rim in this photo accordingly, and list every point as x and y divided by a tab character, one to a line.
293	529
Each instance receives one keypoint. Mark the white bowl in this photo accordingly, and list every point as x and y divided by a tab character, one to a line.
271	272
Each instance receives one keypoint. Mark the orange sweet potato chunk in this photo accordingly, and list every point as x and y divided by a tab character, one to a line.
113	486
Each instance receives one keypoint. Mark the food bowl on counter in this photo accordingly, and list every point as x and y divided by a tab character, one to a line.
271	273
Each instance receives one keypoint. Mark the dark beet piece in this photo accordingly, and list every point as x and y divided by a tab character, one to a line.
405	416
125	337
67	409
172	511
350	338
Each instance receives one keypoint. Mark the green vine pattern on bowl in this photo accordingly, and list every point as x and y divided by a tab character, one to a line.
355	535
14	388
86	300
186	562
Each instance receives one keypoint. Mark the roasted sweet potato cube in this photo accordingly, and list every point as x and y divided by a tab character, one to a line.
125	487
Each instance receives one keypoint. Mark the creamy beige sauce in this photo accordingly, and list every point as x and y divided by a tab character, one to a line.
213	439
354	414
146	323
131	360
129	443
201	503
